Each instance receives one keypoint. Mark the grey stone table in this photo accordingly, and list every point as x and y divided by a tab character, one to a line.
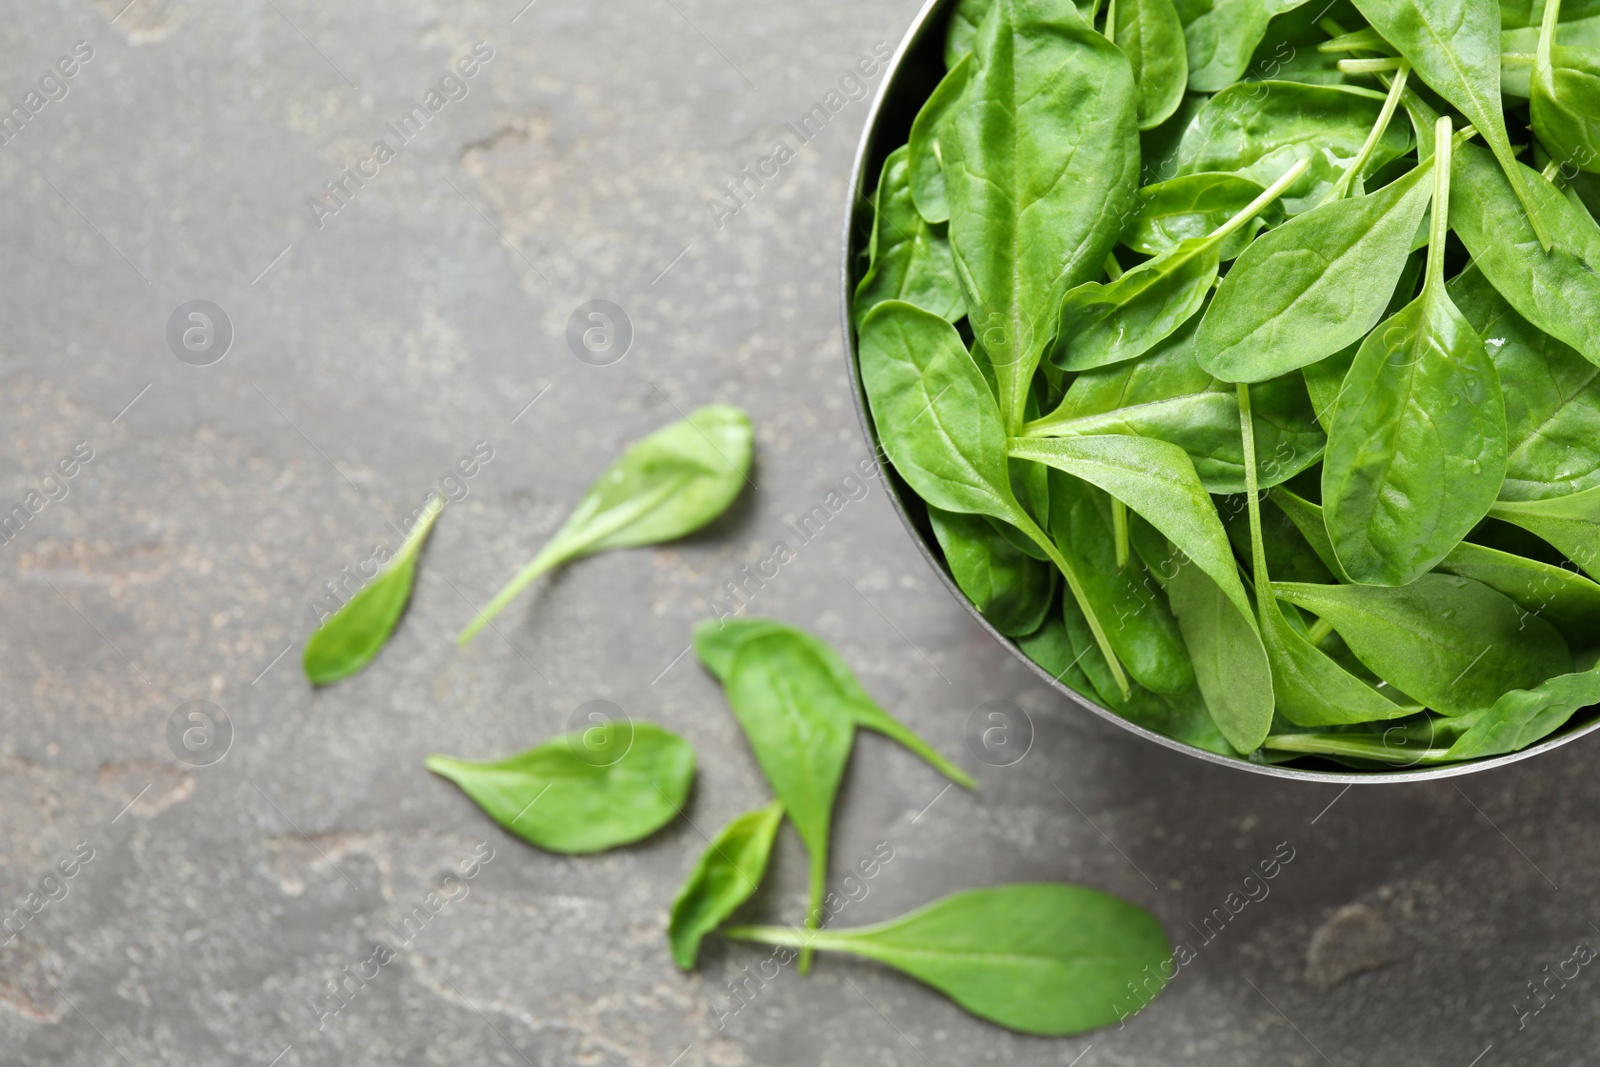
377	325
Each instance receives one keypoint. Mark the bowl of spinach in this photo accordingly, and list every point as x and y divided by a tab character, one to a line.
1238	366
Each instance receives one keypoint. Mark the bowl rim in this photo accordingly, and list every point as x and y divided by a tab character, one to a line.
922	24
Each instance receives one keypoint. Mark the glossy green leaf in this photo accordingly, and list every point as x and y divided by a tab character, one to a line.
1552	397
940	427
1040	162
1047	959
587	791
1126	317
729	870
1258	130
1571	523
1309	687
1193	205
1221	35
1156	479
962	30
717	641
668	484
1151	36
1452	643
1564	98
910	257
1523	716
1009	587
1230	661
1516	75
787	702
1455	47
1417	447
348	640
1314	285
926	153
1165	394
1138	621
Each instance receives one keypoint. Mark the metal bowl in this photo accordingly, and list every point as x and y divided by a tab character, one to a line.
916	67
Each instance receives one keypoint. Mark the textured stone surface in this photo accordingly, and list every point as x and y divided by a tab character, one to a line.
370	356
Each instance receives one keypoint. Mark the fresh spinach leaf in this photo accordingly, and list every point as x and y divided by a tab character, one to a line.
1040	161
1417	449
347	641
939	425
1194	205
1571	523
1523	716
1309	687
1138	621
727	873
925	145
717	641
1124	318
1564	100
1010	588
910	257
1039	958
1260	129
1165	394
1455	47
1314	285
786	700
669	484
1230	661
1452	643
1221	35
1151	36
1156	479
1552	397
575	794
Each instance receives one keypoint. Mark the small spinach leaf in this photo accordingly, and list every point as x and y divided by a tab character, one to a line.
1151	36
1453	643
355	633
1193	205
910	257
1011	589
1040	958
1230	662
729	871
717	641
573	795
1523	716
1571	523
1221	35
669	484
926	156
1564	101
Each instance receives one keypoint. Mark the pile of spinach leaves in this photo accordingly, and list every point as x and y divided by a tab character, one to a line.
1246	361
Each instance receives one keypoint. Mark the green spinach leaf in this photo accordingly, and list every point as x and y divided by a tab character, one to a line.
1230	661
1194	205
346	642
1455	47
1011	589
1452	643
669	484
1040	958
717	641
1151	36
1221	35
910	257
939	425
1523	716
1571	523
1417	449
729	871
1040	161
925	145
1564	100
573	795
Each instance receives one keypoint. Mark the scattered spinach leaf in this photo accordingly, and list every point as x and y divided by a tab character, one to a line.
727	873
347	641
574	794
668	484
1040	958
